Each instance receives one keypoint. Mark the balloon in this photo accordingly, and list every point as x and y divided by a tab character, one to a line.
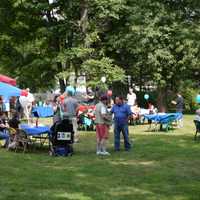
70	89
198	98
103	79
146	96
109	93
62	97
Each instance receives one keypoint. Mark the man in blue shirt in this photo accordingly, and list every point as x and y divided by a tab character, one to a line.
122	113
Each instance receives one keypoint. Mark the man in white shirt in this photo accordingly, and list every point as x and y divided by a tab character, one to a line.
26	102
131	97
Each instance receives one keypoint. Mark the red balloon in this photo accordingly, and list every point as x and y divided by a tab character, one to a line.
62	97
109	93
24	93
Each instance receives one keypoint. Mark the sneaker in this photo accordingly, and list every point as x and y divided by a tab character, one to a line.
76	141
98	152
105	153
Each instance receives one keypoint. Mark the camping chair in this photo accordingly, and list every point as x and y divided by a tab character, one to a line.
197	125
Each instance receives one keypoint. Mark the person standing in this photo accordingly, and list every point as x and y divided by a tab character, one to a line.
131	97
70	110
27	103
2	105
56	109
122	114
103	119
179	108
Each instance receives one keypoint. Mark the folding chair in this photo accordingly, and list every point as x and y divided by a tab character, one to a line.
197	125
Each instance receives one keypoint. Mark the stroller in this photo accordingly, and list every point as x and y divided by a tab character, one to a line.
62	138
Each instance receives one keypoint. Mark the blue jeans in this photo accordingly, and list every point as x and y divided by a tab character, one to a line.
4	136
117	130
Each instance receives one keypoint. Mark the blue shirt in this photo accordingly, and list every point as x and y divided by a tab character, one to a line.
121	113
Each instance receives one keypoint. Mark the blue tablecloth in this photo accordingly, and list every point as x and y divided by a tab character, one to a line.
41	111
164	118
35	131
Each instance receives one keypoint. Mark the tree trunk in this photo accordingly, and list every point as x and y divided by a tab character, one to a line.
161	99
84	16
61	81
62	85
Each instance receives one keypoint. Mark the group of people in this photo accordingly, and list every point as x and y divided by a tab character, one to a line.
122	113
117	114
68	106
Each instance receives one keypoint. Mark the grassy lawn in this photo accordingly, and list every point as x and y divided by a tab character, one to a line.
161	166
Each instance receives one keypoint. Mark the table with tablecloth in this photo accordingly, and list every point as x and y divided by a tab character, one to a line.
36	132
163	118
41	111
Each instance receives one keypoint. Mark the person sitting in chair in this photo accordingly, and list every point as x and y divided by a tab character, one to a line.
3	129
14	121
14	130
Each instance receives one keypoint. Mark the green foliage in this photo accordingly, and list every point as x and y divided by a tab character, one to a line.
95	69
189	92
155	41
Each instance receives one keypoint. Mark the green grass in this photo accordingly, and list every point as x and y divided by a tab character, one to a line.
161	166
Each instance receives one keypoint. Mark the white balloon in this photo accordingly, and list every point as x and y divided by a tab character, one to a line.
103	79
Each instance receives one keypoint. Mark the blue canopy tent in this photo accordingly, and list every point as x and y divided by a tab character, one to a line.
7	90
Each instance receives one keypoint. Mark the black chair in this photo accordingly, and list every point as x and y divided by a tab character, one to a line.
197	125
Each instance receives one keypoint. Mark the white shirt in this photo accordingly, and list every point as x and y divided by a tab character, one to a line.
131	99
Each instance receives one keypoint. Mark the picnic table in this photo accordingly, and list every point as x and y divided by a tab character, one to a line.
164	119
